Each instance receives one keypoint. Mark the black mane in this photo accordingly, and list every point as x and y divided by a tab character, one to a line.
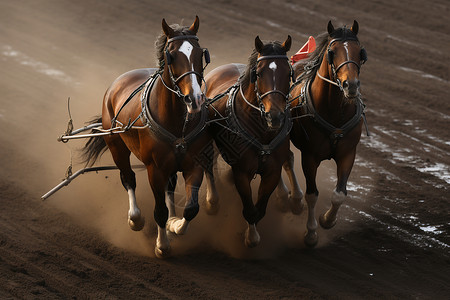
315	58
161	40
271	48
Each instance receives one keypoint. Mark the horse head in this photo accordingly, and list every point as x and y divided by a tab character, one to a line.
345	56
272	75
183	59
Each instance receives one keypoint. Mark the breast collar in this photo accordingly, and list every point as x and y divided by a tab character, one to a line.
179	143
335	132
234	124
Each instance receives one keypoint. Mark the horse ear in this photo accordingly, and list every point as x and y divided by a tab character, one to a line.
287	44
168	31
355	27
258	44
194	26
330	28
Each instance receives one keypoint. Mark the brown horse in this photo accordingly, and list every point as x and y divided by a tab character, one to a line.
164	116
327	115
253	133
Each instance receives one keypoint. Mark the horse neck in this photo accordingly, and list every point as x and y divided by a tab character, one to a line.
328	99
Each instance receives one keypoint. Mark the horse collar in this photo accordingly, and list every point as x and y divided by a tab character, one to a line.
235	125
180	144
336	133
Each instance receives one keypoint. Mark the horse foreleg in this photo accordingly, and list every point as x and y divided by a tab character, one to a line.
344	168
282	192
158	181
135	220
242	182
170	202
212	197
328	219
170	195
312	194
311	237
121	156
193	180
296	195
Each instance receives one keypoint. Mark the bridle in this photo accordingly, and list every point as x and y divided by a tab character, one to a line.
253	79
335	80
176	90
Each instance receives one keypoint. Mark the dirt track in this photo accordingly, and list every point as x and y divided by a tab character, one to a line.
392	239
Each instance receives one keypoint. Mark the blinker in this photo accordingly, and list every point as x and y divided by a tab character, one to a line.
363	55
207	57
330	55
168	57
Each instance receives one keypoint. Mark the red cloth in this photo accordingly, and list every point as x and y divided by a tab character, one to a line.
307	48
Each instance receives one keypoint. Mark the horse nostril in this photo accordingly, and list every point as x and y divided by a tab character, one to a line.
187	99
345	84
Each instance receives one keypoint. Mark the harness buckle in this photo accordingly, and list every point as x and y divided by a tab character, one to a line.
180	146
337	134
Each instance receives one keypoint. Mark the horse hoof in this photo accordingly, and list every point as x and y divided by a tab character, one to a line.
251	244
252	237
296	205
177	225
212	208
326	224
311	239
136	225
162	253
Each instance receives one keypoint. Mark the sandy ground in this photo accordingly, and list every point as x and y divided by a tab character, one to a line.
392	239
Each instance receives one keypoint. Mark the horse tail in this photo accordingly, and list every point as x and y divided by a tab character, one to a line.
95	145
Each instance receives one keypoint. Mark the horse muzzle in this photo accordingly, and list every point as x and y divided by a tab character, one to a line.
351	89
194	103
274	120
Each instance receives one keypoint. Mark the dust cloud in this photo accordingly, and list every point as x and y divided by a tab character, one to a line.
98	201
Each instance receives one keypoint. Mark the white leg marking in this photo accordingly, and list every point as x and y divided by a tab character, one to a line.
162	246
135	221
251	236
311	225
328	220
134	210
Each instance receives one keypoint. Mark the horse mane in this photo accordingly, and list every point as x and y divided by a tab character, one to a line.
161	40
270	48
314	60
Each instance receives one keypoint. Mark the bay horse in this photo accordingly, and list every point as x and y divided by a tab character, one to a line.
252	124
328	115
168	106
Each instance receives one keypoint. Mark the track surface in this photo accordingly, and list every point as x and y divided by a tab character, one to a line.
392	237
